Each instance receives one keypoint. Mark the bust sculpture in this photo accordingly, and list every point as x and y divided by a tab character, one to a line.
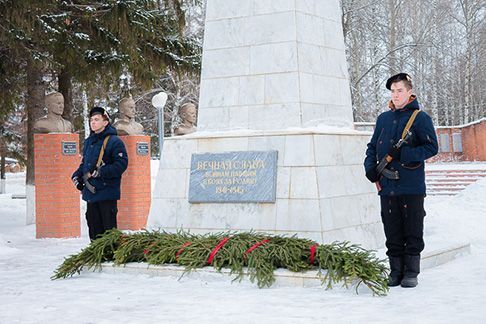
126	124
53	121
187	113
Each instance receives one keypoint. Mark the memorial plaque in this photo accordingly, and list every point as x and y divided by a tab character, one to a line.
142	148
247	176
69	148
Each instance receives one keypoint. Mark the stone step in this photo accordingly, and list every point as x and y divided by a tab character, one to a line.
434	255
451	180
429	190
442	193
448	184
437	253
440	255
457	175
478	171
432	190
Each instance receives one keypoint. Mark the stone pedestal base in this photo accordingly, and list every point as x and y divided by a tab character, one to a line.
134	205
56	199
322	192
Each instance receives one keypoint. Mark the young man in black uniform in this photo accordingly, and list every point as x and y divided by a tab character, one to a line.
402	198
99	174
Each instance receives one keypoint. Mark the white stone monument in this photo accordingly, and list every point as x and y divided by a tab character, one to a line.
274	78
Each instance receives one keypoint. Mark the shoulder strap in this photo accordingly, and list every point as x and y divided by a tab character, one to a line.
102	151
409	123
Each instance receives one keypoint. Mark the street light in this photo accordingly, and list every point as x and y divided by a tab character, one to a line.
158	101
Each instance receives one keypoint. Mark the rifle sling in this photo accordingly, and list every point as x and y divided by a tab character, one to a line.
102	151
409	123
381	168
88	185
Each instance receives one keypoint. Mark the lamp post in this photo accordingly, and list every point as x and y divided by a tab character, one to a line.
158	101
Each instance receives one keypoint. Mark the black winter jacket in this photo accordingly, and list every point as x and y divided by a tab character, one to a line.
115	160
423	145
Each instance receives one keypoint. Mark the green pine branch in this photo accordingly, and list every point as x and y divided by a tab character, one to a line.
338	262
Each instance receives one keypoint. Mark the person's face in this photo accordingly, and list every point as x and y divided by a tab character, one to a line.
399	94
189	114
55	104
127	108
97	123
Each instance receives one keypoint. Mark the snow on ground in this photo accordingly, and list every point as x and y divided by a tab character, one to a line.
453	292
454	166
15	183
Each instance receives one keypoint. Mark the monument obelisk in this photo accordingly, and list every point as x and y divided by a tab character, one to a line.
274	84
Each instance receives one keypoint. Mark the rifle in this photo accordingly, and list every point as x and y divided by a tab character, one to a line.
381	167
406	134
88	185
99	164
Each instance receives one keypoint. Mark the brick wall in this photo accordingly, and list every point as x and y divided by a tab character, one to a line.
474	142
446	150
57	200
134	205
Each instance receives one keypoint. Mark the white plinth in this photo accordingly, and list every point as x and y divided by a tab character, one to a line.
322	193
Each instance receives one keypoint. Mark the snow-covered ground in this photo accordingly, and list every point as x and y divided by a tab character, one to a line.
450	293
455	166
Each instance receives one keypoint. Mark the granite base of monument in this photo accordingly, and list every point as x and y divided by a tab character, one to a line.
321	192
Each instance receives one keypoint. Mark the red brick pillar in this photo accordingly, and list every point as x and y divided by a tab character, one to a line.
56	156
134	205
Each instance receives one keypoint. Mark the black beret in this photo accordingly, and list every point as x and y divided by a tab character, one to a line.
99	111
397	78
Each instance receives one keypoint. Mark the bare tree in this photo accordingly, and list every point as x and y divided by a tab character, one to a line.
441	43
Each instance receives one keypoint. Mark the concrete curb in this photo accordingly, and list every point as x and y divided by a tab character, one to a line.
284	277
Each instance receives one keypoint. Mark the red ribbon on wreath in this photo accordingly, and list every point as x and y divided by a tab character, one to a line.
123	238
182	249
254	246
313	253
147	250
216	249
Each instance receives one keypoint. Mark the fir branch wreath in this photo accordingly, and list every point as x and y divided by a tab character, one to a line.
259	253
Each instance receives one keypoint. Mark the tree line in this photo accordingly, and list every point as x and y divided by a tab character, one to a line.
440	43
81	48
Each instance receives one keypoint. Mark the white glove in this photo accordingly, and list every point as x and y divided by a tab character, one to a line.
96	173
75	181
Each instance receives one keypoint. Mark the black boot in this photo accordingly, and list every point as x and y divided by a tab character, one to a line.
411	271
396	271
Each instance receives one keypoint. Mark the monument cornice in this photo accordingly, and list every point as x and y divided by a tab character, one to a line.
278	132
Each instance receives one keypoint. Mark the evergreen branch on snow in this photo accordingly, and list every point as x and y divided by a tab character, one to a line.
257	253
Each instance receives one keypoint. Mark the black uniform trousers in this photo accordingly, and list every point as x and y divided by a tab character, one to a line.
403	220
101	216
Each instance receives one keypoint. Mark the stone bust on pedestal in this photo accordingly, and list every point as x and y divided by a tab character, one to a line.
126	124
187	114
53	121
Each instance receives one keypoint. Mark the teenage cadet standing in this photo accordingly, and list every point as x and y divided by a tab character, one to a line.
99	174
401	186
